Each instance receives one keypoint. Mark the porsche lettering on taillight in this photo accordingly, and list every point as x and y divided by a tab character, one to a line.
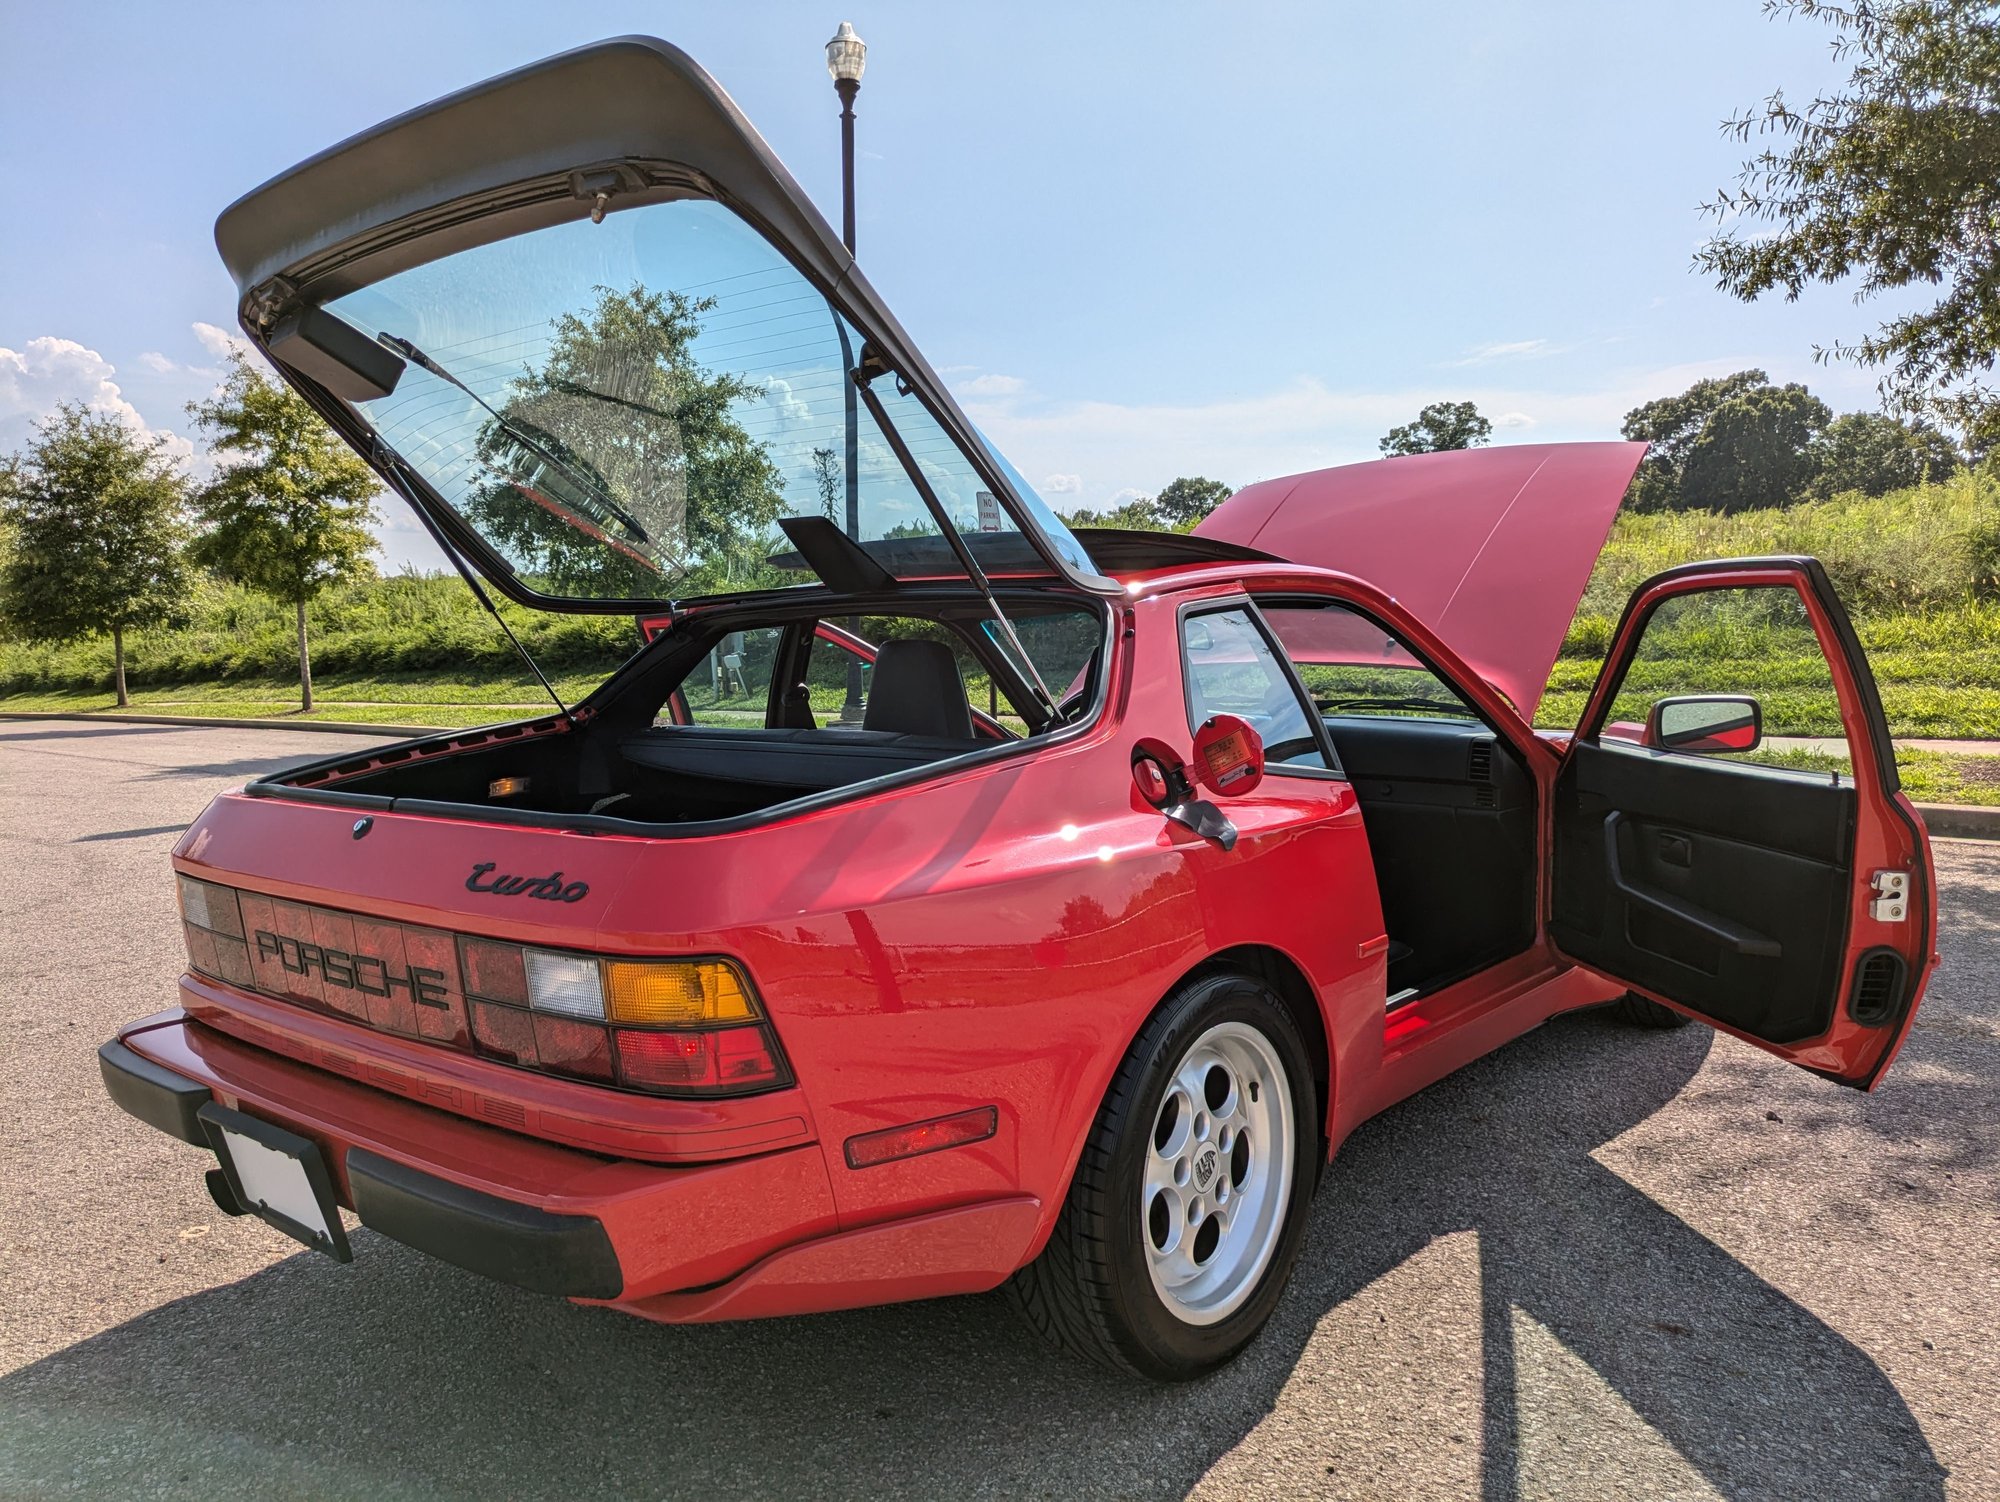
663	1026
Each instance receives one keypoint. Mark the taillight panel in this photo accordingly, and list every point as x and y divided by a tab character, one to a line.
669	1027
682	1027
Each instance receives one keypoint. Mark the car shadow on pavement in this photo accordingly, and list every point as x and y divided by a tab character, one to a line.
398	1376
245	766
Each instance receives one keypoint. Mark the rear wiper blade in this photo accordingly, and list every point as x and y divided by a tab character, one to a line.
1409	706
523	435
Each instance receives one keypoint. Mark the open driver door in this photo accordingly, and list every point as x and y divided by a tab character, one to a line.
1790	906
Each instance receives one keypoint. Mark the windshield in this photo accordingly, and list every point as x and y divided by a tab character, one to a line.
625	410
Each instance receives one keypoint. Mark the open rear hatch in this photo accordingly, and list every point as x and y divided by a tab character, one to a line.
586	323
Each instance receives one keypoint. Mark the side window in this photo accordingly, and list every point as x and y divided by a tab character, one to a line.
1733	673
731	688
1351	666
1231	669
828	670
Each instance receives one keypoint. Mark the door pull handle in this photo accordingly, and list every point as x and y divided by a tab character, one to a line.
1732	935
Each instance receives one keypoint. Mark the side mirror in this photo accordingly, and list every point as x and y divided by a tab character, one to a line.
1721	722
1228	755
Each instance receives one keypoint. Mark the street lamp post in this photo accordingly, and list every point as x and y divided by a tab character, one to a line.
846	56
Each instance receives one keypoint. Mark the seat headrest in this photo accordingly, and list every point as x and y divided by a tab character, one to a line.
916	690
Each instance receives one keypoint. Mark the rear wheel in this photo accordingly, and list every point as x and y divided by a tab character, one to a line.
1642	1012
1188	1206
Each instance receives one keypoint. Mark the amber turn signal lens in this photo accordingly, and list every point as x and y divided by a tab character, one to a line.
685	993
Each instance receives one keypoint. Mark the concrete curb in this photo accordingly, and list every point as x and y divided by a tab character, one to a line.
195	721
1960	821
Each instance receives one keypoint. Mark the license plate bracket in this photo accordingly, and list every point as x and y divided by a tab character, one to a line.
278	1176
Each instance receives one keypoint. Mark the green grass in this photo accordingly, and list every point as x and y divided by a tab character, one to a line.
1928	776
1916	568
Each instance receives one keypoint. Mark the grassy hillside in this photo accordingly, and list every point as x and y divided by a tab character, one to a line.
1917	568
404	631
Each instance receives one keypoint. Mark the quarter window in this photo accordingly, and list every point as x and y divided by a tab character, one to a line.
732	686
1351	666
1232	669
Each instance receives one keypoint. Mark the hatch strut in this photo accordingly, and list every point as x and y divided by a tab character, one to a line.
871	365
392	460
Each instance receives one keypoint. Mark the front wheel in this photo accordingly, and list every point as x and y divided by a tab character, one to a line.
1641	1011
1187	1209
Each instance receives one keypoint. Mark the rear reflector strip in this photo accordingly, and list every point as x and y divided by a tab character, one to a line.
872	1148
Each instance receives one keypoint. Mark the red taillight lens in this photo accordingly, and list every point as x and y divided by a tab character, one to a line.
922	1137
723	1061
498	971
565	1046
504	1033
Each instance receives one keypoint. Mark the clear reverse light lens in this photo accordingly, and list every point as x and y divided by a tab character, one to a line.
563	983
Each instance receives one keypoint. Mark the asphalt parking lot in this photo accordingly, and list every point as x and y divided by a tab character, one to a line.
1597	1264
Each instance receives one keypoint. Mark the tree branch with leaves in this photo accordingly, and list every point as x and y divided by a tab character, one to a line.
1893	178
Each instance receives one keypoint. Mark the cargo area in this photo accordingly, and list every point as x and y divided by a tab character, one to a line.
660	774
746	709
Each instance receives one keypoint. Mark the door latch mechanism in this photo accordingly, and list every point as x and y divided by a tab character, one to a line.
1892	896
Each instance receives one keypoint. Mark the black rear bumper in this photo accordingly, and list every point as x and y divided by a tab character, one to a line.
532	1248
157	1096
497	1238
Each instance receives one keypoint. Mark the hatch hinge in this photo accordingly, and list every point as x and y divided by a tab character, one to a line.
598	185
1892	896
266	302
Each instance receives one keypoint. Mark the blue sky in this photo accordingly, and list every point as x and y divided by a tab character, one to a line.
1141	240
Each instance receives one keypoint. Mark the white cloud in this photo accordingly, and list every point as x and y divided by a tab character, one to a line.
220	343
1062	485
158	363
48	371
1513	420
992	387
1518	349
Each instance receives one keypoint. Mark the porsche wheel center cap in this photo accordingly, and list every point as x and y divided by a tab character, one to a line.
1204	1167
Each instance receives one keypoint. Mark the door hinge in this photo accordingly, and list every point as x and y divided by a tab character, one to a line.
1892	896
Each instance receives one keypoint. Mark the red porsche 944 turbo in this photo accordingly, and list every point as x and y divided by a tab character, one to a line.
938	898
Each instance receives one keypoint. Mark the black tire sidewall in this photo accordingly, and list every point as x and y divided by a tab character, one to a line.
1150	1336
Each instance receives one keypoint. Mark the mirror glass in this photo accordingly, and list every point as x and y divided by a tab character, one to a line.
1706	724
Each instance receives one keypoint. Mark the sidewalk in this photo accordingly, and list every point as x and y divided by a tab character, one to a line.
1839	747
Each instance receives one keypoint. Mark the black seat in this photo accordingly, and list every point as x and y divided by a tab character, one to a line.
916	690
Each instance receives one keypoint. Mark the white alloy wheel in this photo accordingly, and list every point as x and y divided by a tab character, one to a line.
1218	1173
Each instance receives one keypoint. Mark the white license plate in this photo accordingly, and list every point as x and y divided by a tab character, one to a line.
278	1176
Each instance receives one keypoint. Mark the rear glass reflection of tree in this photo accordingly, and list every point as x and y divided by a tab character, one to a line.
625	473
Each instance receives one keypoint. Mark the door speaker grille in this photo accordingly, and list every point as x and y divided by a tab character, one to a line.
1878	987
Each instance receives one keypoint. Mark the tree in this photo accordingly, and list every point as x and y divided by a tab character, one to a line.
1183	503
1756	449
97	520
1441	425
1135	515
1894	177
1875	453
289	508
826	479
620	399
1727	444
1670	424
